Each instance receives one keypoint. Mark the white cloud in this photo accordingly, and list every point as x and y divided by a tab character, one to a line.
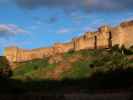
7	30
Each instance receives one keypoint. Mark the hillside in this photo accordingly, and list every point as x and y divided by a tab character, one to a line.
75	64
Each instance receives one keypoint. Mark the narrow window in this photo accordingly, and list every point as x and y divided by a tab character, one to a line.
95	42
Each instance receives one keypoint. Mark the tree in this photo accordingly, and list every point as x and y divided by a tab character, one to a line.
5	70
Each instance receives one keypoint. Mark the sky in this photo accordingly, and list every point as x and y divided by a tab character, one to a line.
41	23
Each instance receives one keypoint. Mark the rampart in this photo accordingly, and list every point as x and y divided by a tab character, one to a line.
105	37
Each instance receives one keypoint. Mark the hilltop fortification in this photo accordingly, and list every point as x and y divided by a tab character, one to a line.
105	37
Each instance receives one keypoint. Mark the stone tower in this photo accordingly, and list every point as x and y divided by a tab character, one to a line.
104	37
11	53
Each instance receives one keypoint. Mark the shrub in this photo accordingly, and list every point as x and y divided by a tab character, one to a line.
110	61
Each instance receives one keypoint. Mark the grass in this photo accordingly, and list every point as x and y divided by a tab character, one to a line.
31	69
27	67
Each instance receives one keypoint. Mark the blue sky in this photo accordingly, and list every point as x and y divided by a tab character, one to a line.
40	23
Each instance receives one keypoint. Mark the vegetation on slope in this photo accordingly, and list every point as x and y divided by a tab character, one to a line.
76	65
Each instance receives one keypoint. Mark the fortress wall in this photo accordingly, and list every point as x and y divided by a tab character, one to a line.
15	54
91	42
123	34
127	37
76	44
85	42
79	44
90	39
61	48
44	52
82	43
116	36
68	46
105	37
25	56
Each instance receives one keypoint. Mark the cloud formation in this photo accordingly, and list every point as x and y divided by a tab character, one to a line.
84	5
63	30
7	30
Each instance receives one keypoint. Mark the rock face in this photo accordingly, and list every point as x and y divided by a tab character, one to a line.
105	37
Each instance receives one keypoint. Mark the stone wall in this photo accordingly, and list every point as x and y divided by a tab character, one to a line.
105	37
15	54
123	34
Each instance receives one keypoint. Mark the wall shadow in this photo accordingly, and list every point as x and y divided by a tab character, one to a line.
118	80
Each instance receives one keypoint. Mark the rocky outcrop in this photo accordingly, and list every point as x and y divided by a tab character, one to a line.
55	59
105	37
